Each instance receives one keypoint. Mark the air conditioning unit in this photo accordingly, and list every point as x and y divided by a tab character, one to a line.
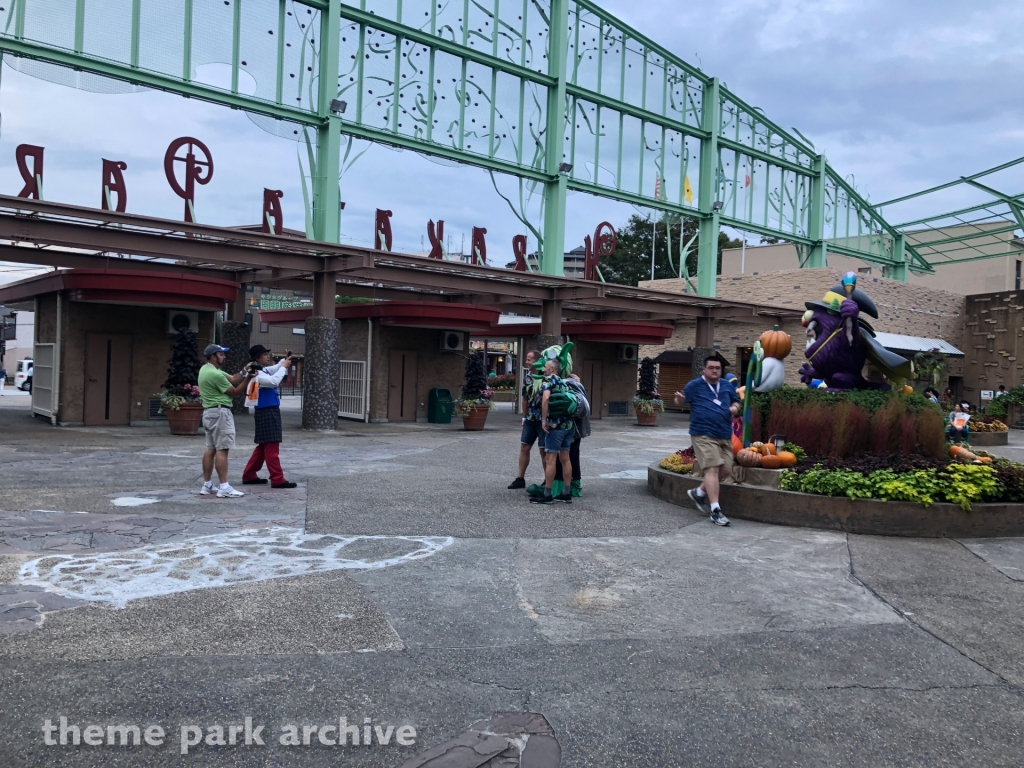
182	318
453	341
628	353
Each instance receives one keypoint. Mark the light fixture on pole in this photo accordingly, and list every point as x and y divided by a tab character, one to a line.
565	167
717	206
338	106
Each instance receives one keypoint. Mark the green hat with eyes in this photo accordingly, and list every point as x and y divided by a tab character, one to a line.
559	353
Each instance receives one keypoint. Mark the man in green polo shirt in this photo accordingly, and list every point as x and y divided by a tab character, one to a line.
217	390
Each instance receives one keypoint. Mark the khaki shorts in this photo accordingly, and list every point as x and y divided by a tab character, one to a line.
220	428
712	452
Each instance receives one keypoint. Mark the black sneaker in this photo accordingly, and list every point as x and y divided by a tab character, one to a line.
287	484
257	481
542	499
517	484
565	498
718	518
700	502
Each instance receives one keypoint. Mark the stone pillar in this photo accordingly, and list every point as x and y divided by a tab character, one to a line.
320	374
235	336
551	317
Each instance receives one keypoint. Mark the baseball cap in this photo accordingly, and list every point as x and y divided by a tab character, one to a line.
212	349
256	351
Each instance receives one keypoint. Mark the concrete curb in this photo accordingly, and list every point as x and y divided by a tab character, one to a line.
867	516
984	439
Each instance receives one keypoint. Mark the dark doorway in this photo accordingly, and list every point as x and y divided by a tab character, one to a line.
108	379
402	377
592	371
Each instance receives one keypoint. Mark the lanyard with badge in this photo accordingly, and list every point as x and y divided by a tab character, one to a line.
714	391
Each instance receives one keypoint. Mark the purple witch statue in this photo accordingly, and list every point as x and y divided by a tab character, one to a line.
839	341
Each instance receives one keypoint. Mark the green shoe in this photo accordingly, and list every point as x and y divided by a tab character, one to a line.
577	489
557	486
535	490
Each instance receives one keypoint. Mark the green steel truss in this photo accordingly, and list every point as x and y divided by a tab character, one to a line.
982	231
555	92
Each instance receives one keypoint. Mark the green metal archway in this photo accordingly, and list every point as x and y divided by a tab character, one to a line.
555	92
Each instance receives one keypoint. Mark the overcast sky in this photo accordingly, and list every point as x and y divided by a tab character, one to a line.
900	95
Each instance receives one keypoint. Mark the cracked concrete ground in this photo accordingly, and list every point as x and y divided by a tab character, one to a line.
644	635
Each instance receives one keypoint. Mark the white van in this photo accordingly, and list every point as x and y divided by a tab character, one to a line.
23	375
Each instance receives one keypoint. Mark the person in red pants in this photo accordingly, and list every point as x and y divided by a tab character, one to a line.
264	396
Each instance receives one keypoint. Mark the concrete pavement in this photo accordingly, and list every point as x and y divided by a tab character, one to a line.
403	583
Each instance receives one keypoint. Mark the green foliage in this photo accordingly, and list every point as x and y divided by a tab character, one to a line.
796	450
964	483
929	366
960	484
631	261
1000	406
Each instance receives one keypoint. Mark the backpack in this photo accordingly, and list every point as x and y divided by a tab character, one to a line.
562	404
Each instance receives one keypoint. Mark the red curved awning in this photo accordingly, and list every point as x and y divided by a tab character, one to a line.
618	331
162	289
412	314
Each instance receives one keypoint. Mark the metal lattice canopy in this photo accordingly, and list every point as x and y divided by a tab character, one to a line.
555	92
985	230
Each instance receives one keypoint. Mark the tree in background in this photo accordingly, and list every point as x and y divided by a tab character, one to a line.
631	261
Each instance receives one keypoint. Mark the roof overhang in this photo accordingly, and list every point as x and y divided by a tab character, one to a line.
616	331
126	287
896	342
409	314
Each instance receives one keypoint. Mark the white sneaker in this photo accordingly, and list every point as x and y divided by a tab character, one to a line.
229	493
206	490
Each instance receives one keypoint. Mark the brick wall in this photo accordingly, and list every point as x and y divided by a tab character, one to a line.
992	342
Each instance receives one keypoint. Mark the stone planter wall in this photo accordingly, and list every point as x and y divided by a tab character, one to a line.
868	516
983	439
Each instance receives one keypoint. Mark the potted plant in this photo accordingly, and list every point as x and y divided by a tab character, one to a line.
475	401
180	400
647	403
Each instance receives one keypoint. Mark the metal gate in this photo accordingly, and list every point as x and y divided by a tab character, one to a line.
43	377
352	400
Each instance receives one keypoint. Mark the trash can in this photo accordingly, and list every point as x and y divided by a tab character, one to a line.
439	406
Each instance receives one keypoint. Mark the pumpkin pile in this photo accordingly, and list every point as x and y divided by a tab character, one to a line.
763	455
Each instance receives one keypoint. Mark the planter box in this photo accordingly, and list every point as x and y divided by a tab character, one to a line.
838	513
983	439
504	397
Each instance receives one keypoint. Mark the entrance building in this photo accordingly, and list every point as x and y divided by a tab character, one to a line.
103	338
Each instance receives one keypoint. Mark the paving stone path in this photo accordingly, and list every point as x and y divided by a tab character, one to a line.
401	586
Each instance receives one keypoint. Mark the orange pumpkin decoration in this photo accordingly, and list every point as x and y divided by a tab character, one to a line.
907	390
737	445
776	343
768	449
770	462
757	446
786	458
954	450
748	458
985	459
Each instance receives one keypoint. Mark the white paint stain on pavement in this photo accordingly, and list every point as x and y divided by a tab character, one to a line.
133	501
221	560
626	474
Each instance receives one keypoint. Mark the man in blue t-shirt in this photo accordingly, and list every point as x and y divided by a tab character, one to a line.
713	404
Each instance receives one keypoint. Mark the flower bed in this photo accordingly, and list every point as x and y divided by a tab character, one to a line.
909	477
680	462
